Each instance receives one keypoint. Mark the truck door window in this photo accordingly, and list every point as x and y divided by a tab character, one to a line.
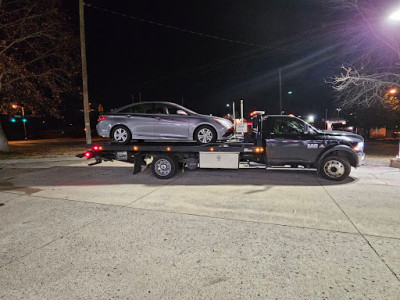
287	126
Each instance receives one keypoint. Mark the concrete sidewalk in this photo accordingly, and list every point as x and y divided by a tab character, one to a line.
68	231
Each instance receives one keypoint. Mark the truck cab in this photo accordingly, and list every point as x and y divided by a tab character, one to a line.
289	140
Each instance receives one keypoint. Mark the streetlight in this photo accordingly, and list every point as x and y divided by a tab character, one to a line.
395	16
393	91
23	117
338	111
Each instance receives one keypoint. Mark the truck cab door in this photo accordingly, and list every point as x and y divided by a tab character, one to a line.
289	142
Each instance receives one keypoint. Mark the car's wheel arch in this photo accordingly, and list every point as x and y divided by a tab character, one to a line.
120	125
204	124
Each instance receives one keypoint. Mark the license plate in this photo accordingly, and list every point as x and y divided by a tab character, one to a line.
121	155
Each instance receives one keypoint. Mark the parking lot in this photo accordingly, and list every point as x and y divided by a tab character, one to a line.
69	231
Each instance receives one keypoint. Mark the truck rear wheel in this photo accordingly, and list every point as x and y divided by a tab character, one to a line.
334	168
164	166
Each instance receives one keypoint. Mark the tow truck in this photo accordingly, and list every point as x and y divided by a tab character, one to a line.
274	141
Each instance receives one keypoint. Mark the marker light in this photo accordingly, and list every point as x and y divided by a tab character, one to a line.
258	149
88	154
135	148
168	148
211	149
97	148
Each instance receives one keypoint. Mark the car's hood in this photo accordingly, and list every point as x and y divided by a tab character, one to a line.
341	133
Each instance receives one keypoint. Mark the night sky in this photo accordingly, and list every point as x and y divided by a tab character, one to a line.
251	41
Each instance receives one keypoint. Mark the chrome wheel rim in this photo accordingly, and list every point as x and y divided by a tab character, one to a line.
163	167
120	135
205	135
334	169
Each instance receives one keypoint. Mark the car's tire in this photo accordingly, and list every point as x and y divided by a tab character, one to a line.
121	135
164	166
334	168
205	134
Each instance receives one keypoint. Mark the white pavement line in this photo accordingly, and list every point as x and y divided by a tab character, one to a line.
354	225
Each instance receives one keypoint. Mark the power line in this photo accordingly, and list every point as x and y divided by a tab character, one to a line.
181	29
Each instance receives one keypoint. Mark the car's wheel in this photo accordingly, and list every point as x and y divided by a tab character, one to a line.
164	166
205	134
121	135
334	168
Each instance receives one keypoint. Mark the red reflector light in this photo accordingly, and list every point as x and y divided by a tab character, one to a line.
135	148
211	149
168	148
97	148
101	118
253	113
88	154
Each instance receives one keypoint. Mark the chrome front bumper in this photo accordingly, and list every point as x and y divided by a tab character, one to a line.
361	157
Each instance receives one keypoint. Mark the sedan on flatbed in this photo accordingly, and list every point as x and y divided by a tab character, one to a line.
162	121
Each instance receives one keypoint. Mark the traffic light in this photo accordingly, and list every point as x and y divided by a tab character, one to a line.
13	120
24	120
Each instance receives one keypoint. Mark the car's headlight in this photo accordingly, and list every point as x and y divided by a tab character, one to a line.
224	122
359	147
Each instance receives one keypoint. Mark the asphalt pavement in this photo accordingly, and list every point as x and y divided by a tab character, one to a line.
69	231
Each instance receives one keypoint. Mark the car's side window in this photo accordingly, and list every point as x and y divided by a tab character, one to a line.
126	110
166	109
161	109
143	109
172	110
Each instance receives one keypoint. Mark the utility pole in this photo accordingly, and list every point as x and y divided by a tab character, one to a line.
140	96
280	91
182	101
86	108
133	98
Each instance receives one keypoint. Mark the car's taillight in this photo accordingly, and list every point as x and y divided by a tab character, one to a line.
101	118
88	154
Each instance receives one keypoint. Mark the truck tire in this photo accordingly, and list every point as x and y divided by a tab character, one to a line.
121	135
164	166
205	134
334	168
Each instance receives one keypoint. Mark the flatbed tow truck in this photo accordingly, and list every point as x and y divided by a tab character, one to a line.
275	141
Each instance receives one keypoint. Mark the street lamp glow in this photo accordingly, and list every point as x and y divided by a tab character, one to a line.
14	105
393	91
395	16
290	92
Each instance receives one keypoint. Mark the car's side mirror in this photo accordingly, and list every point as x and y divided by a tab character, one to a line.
181	112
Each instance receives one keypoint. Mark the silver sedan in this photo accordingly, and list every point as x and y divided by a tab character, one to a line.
162	121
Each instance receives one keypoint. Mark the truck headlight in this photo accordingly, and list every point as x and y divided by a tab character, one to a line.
359	147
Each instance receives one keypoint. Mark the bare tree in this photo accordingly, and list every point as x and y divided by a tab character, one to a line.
372	51
37	63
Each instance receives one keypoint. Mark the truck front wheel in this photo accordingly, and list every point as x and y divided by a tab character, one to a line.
334	168
164	166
